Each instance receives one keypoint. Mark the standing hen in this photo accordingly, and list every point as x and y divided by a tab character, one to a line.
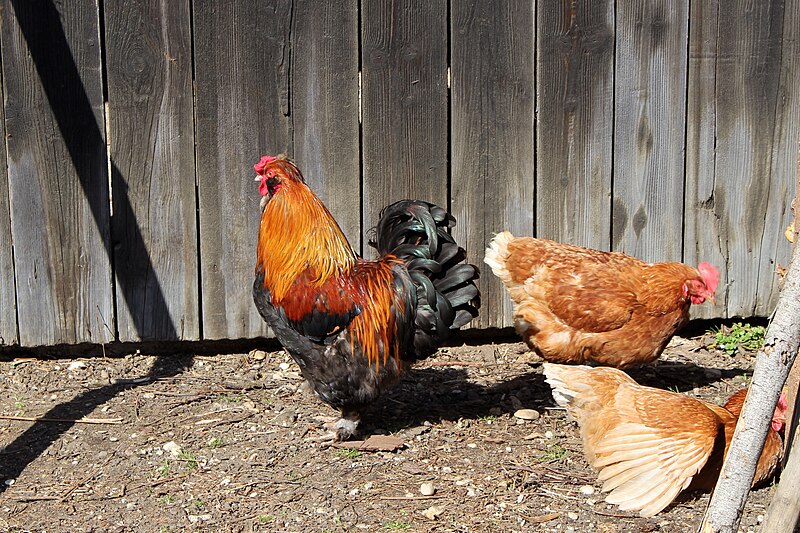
352	325
575	305
650	444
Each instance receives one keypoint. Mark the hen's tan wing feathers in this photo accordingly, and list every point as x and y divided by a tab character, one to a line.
647	444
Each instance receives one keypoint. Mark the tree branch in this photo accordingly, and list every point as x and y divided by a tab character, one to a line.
773	362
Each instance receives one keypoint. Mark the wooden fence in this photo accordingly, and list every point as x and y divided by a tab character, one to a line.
667	129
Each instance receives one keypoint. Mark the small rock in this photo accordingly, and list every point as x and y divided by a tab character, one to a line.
198	518
760	518
587	489
258	355
285	419
432	513
76	365
472	445
427	489
284	366
527	414
9	482
573	516
172	448
548	434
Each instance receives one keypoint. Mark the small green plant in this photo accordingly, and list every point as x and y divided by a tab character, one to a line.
166	499
189	459
215	442
20	405
265	519
227	398
487	418
164	469
348	453
553	453
739	336
675	389
397	524
195	504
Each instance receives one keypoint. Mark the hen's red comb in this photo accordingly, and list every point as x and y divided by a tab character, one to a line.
265	160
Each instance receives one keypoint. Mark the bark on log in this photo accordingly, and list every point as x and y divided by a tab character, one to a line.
773	362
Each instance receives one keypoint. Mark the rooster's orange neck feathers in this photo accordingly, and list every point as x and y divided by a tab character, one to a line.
298	233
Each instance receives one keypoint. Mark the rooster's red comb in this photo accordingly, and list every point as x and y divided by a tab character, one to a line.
265	160
710	275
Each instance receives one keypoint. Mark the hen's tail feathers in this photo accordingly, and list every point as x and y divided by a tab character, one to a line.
497	254
447	298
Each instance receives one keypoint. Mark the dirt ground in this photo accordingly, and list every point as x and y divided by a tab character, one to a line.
219	443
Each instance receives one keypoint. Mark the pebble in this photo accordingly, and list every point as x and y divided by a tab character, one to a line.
548	434
432	513
285	419
427	489
172	448
76	365
284	366
572	515
587	489
760	518
527	414
258	355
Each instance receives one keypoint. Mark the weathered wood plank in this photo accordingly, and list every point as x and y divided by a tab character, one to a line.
575	95
705	233
404	103
8	296
649	129
741	139
242	63
775	251
492	134
325	106
153	170
57	172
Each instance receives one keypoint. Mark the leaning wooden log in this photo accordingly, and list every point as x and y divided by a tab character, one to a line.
773	362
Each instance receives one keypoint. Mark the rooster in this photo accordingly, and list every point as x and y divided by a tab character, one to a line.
650	444
578	305
354	326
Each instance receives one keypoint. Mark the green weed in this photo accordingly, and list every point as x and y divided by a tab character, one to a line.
739	336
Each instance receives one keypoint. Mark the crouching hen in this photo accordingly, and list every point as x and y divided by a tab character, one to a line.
352	325
578	305
650	444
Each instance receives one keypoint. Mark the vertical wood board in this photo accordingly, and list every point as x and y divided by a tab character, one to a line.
649	129
325	106
575	95
404	103
8	296
57	172
153	170
775	250
243	112
492	135
737	198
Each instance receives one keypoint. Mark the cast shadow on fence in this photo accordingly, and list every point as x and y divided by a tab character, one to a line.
41	27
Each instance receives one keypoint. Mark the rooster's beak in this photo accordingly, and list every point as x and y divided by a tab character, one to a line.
258	178
713	300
